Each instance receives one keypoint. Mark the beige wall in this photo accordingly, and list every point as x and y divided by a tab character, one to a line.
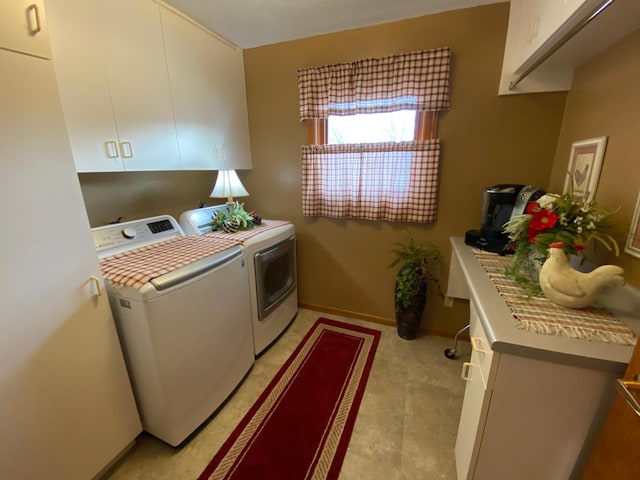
342	265
134	195
605	101
486	140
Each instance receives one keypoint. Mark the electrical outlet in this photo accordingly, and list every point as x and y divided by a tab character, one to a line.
448	301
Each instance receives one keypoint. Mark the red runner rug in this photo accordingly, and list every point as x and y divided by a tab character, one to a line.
300	426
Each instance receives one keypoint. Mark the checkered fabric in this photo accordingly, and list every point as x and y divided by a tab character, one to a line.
408	81
538	315
391	181
243	235
136	267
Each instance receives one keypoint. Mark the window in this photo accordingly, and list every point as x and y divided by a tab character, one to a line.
396	126
371	150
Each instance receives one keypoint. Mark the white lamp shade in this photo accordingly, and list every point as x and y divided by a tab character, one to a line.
228	185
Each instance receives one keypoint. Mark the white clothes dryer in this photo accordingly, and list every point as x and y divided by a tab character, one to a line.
270	249
181	305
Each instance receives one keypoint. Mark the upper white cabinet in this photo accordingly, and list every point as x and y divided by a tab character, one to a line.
145	88
206	75
112	77
536	21
547	39
24	27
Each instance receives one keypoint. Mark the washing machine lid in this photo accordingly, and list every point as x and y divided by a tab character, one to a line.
192	270
140	266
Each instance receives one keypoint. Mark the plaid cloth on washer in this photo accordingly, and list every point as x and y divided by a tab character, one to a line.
243	235
136	267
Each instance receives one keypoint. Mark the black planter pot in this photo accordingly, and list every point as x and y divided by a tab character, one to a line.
408	316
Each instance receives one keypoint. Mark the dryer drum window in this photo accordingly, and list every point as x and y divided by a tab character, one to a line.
275	275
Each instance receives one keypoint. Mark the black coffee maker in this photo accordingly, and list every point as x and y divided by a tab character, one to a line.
499	204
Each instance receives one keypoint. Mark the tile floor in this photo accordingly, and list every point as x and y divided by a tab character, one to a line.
405	429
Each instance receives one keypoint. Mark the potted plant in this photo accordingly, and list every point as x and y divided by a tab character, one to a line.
420	265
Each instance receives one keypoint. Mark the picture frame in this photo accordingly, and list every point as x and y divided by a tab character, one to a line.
583	171
633	240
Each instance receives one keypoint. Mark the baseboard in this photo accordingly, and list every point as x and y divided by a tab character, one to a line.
350	314
375	319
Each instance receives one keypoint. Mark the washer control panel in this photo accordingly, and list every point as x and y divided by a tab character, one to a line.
119	237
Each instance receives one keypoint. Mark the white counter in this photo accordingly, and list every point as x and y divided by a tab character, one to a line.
502	328
530	396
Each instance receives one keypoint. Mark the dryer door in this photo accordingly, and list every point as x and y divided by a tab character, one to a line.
275	275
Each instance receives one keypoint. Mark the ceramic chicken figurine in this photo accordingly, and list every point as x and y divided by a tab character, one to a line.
565	286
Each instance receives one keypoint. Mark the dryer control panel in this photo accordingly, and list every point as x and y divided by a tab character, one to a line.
119	237
198	221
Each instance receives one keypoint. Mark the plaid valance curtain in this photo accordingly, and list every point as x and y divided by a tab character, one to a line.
391	181
411	81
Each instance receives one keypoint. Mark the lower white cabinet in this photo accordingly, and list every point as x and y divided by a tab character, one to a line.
524	418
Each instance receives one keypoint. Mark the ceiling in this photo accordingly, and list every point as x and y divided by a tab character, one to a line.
252	23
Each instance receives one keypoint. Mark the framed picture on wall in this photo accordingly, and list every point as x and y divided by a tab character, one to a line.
633	241
585	163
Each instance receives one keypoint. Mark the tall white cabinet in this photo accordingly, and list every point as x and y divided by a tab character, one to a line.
24	27
66	404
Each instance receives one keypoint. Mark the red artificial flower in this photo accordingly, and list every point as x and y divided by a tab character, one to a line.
579	247
543	220
533	207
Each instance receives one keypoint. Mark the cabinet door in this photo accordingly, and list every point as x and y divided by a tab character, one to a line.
472	419
112	76
82	81
23	27
208	94
66	405
480	375
138	83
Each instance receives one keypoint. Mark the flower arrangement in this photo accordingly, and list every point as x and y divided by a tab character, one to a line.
555	218
234	218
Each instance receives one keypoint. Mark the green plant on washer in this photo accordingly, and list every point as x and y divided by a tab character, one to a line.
234	218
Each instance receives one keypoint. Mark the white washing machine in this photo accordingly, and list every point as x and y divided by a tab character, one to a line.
271	256
182	309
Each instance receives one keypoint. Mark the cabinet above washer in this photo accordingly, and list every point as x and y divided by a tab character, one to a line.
206	76
547	39
137	90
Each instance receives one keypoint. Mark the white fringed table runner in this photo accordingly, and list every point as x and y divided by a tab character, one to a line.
538	314
243	235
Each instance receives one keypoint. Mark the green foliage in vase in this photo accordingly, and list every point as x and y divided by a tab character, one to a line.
420	263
